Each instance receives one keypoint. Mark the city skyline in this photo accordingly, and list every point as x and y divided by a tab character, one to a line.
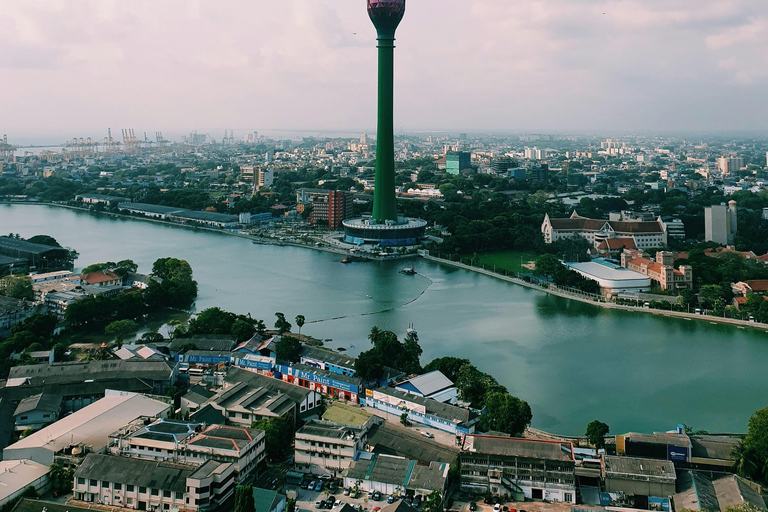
304	65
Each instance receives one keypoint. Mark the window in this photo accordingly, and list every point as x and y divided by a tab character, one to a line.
179	496
24	417
81	481
142	490
166	506
155	492
568	497
129	488
105	485
166	494
118	487
94	483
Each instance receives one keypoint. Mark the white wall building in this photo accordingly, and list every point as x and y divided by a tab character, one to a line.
720	223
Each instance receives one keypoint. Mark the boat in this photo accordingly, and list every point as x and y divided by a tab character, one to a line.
345	260
409	271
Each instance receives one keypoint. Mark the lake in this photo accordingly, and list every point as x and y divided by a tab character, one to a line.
572	362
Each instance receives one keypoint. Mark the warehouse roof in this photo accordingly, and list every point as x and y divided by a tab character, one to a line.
149	208
93	370
395	440
517	447
429	383
92	425
144	473
328	356
328	430
15	244
43	402
637	468
226	438
398	471
206	342
296	393
449	412
207	216
17	475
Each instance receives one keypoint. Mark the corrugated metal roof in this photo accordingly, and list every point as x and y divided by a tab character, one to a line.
430	383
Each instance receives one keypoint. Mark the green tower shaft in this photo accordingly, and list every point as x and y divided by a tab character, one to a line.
384	198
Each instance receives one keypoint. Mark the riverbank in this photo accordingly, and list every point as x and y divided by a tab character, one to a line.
593	299
255	239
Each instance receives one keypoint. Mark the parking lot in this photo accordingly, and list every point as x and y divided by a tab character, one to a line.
307	499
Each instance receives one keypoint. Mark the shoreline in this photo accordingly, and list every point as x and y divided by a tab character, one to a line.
605	305
552	290
254	239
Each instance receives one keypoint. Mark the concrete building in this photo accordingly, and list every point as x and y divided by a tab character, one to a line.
396	475
87	430
730	164
645	234
243	404
42	257
153	211
721	223
432	385
704	493
354	416
16	476
425	411
307	401
37	411
328	360
208	219
391	438
506	466
191	443
144	485
638	477
327	382
101	199
327	447
662	271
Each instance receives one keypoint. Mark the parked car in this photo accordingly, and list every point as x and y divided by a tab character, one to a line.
391	498
329	502
319	504
497	508
338	504
326	477
304	484
427	435
488	501
319	486
377	496
347	491
353	493
333	486
473	506
417	499
370	494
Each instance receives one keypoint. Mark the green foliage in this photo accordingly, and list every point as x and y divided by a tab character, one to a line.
120	269
44	240
177	288
596	432
754	453
474	386
403	356
434	502
281	324
547	265
278	436
506	413
288	348
404	419
300	320
244	499
17	287
61	478
119	330
448	366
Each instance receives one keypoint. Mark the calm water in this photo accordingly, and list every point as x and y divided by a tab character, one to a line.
572	362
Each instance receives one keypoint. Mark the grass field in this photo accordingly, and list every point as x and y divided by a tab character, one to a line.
505	260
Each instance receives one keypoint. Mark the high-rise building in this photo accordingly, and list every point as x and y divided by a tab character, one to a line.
502	165
730	164
266	178
457	161
720	223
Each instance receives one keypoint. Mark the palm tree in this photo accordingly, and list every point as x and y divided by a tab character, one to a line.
744	461
374	334
300	322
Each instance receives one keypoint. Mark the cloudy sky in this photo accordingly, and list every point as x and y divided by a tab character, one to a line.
76	67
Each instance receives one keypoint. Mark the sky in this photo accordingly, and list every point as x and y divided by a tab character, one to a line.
74	68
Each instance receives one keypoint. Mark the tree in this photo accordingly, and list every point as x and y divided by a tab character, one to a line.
121	330
44	240
278	436
61	478
506	413
448	366
596	432
368	366
710	295
300	322
404	419
244	499
288	348
547	265
434	502
152	337
17	287
744	461
756	442
281	324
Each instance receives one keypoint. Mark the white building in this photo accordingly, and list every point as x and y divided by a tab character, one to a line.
613	279
645	234
89	428
432	385
720	223
146	485
16	476
327	447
